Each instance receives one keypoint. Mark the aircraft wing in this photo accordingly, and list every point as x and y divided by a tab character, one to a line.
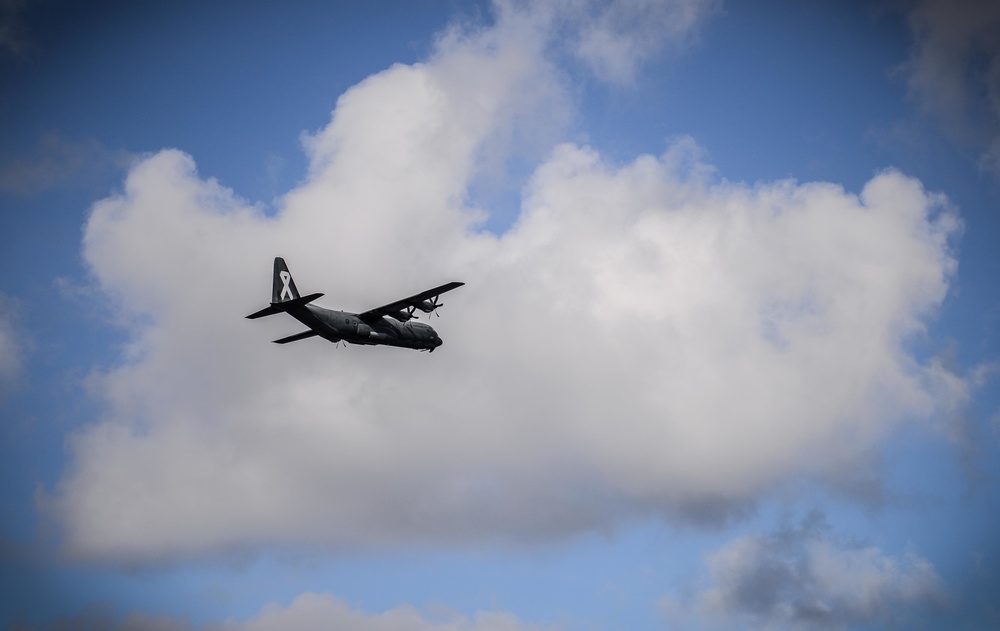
416	300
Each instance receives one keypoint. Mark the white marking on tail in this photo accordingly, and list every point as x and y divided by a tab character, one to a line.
285	278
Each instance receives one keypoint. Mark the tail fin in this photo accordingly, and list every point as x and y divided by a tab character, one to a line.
284	295
283	287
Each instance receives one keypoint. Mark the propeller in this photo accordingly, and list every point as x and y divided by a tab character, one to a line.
429	306
434	306
405	314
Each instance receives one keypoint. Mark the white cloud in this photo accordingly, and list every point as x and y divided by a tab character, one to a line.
314	611
14	342
306	612
614	38
646	339
806	579
955	69
57	162
13	39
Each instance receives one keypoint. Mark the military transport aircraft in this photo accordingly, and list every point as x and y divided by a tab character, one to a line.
370	328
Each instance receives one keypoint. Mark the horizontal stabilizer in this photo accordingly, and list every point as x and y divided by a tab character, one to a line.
298	336
280	307
266	311
298	302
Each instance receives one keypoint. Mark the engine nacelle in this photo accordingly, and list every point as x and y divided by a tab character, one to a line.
402	316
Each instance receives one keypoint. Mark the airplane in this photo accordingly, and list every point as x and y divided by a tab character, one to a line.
388	325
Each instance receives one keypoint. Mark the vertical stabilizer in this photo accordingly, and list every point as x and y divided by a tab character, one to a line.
283	288
284	296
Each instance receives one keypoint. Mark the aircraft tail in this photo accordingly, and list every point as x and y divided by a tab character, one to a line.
282	286
284	294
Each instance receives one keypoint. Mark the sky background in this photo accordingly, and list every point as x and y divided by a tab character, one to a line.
726	356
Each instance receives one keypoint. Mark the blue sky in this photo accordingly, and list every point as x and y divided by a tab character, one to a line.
726	356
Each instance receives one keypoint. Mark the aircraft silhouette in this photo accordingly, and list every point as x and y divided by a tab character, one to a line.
388	325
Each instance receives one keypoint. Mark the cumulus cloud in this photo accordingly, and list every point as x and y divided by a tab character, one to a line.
646	339
614	38
308	611
954	71
805	578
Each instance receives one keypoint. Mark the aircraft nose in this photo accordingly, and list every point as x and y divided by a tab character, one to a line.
438	342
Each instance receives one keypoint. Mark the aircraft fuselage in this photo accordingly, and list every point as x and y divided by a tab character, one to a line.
342	325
